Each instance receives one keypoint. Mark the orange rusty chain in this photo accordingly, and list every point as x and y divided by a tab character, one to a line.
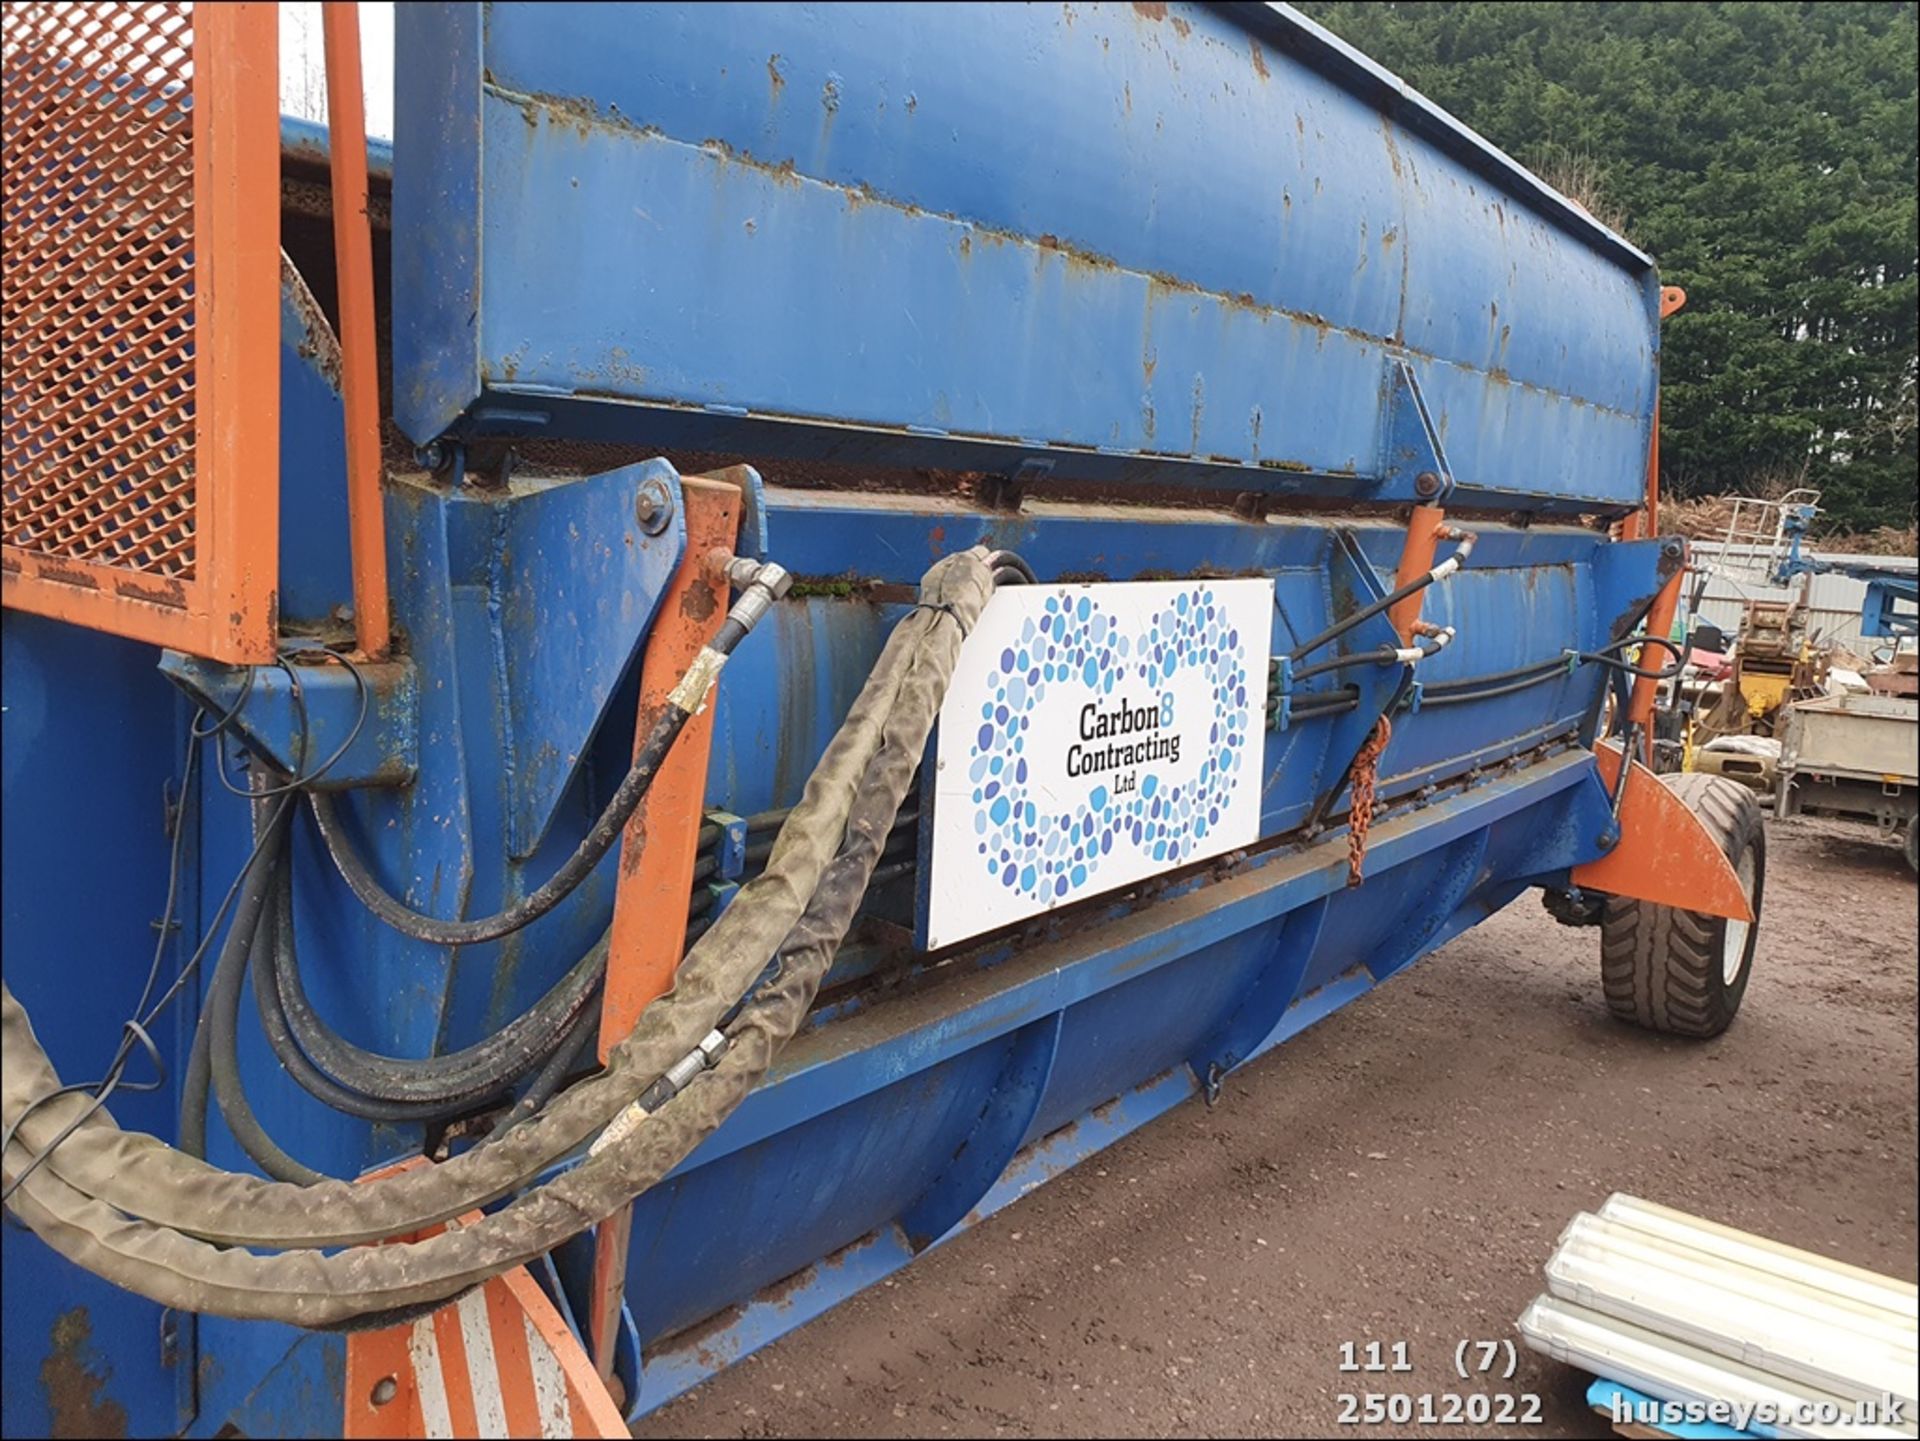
1366	766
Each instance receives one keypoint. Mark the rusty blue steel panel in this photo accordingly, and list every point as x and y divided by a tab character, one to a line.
1156	243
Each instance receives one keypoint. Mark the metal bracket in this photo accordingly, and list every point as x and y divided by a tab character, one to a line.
730	849
1414	465
297	715
575	580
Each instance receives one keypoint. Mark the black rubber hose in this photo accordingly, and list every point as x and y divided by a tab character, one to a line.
286	1049
1006	560
1541	669
524	912
458	1079
222	1017
1383	655
1366	612
1460	697
579	1041
255	888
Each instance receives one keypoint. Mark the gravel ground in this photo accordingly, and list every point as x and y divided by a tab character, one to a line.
1397	1173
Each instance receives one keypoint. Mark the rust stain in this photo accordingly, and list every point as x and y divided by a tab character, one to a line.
1259	60
776	82
75	1406
159	590
317	343
1181	27
1149	11
699	603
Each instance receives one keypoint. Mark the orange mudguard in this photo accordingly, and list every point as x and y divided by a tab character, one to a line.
1665	855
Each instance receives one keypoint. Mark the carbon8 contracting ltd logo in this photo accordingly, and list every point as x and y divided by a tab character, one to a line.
1104	733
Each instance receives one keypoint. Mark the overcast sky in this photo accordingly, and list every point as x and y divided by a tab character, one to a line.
303	76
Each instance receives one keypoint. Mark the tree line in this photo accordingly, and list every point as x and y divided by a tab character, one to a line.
1765	154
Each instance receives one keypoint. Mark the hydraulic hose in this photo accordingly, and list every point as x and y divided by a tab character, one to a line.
82	1199
1387	602
769	583
457	1079
221	1020
256	886
275	1026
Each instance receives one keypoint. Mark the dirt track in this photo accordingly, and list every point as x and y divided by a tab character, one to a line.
1399	1172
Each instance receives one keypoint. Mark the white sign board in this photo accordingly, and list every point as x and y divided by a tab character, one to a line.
1093	736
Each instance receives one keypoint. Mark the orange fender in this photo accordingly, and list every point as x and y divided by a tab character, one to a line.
1664	855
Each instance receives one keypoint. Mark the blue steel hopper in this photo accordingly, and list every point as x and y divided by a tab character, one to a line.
1103	293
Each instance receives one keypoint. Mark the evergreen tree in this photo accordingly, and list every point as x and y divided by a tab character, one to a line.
1765	155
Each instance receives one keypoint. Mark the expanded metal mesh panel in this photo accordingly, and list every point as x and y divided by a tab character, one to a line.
99	285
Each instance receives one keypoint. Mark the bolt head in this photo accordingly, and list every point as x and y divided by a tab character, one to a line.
1426	483
653	507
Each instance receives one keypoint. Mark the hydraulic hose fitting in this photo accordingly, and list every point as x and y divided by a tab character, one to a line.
1466	540
676	1079
760	583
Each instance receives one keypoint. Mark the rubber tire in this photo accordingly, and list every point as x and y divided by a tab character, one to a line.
1913	846
1661	967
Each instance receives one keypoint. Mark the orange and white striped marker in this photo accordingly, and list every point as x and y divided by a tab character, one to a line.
498	1361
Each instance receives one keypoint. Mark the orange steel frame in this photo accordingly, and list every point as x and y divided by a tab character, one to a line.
360	378
658	849
227	608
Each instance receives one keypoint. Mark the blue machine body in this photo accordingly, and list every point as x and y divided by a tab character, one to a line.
1114	256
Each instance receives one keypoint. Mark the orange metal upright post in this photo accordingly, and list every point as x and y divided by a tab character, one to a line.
657	851
360	376
1416	559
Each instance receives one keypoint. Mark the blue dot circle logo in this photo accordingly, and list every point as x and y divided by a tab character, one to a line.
1074	645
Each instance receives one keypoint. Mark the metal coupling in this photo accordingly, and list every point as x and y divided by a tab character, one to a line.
700	1058
677	1078
1465	538
760	583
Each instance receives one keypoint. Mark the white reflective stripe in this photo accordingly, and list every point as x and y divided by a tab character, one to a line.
483	1371
423	1349
549	1384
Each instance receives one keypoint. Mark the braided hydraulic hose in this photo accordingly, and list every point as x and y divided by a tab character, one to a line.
134	1210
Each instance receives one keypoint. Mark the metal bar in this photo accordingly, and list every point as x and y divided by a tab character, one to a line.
360	379
236	162
1416	559
661	842
1659	623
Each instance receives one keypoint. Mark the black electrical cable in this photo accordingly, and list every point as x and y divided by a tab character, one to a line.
576	868
136	1031
302	777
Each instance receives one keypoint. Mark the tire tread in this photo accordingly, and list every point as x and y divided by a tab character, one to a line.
1660	966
